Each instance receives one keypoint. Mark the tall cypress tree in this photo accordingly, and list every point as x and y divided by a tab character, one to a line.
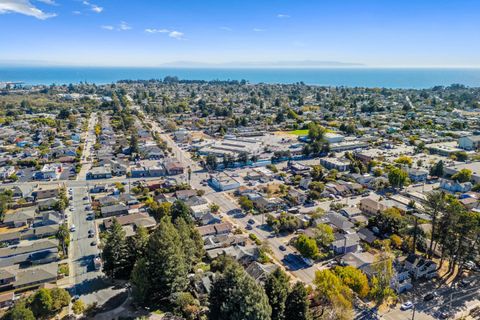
236	296
164	265
276	288
297	304
115	253
191	244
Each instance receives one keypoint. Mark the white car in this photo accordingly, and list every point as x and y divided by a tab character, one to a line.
72	228
407	305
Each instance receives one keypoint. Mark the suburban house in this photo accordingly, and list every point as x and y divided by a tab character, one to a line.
114	210
371	207
39	252
454	186
102	172
31	278
46	192
359	260
334	163
416	175
420	267
469	143
173	167
215	229
21	217
345	243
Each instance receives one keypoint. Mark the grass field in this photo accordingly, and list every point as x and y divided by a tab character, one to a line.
299	132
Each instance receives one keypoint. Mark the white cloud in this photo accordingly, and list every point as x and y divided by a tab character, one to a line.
97	9
124	26
176	35
258	30
283	16
157	30
171	33
226	28
50	2
76	12
23	7
93	6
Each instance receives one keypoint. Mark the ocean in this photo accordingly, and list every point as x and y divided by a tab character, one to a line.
415	78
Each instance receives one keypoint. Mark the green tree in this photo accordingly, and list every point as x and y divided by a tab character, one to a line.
160	210
211	161
464	175
435	204
243	157
214	208
437	169
60	299
389	221
41	303
307	246
276	288
406	160
316	132
186	305
192	242
324	235
354	278
164	266
20	312
333	295
384	272
63	236
140	278
180	210
136	247
5	199
134	144
397	177
297	303
315	189
78	307
115	252
245	203
236	296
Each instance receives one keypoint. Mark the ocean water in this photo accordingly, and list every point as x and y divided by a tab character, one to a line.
351	77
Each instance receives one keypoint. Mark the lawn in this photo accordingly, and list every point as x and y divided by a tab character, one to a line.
299	132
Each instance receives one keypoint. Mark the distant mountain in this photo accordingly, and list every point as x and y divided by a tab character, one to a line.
278	64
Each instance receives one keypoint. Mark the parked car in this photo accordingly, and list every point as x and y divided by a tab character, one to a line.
406	306
430	296
249	227
93	243
282	248
251	221
465	282
72	228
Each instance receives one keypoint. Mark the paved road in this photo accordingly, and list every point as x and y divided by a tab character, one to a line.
454	300
86	278
90	139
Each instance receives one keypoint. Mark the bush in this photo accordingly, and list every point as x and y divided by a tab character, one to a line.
255	239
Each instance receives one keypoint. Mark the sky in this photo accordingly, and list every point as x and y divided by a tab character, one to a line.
374	33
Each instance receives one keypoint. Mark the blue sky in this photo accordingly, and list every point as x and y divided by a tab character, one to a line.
151	32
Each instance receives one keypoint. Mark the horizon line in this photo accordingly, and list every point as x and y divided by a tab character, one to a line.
220	66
